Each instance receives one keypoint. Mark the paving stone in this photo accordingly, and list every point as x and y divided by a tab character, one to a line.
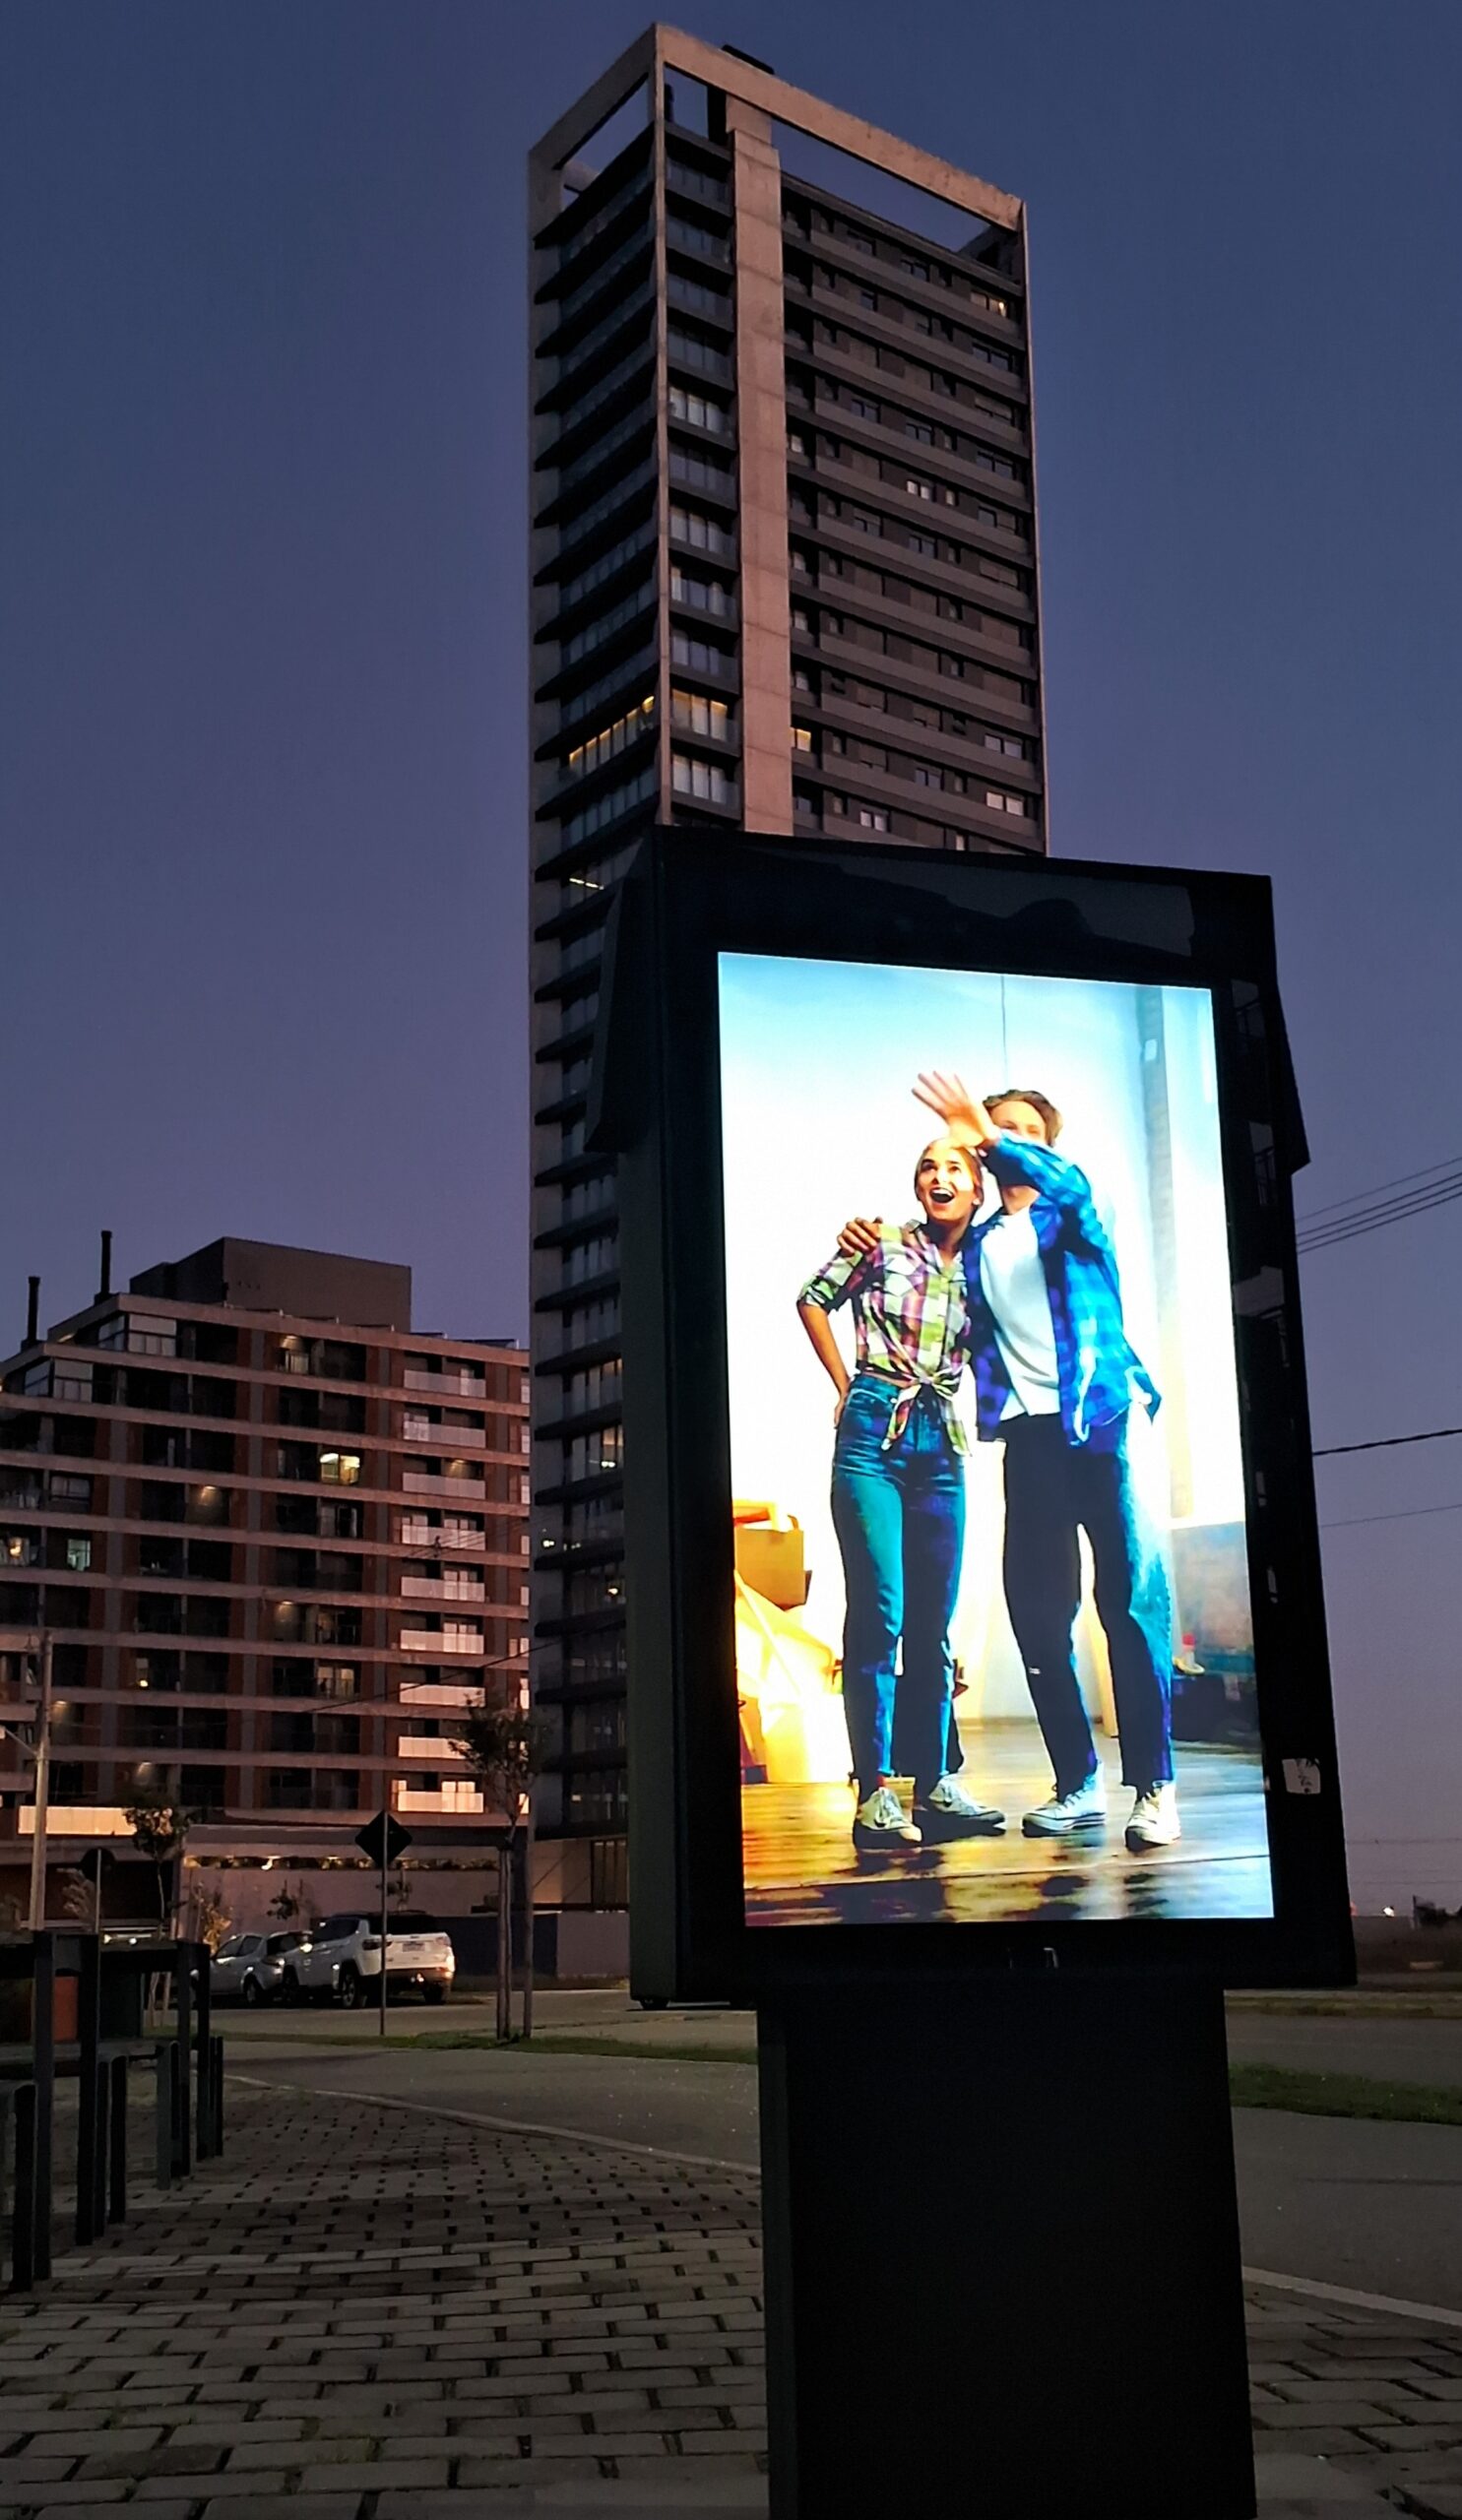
261	2504
369	2475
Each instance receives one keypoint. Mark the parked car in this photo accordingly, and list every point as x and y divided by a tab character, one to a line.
344	1959
246	1968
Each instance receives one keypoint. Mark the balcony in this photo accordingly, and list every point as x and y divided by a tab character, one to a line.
432	1640
451	1491
454	1695
427	1747
433	1536
417	1429
441	1588
447	1800
462	1385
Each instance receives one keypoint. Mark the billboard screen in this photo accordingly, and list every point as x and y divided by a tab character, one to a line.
993	1641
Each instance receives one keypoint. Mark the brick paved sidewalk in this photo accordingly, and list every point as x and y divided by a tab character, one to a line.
384	2316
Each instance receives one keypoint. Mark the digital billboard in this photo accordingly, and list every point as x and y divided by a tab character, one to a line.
971	1562
994	1646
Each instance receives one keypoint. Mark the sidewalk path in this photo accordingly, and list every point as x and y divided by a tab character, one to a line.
364	2312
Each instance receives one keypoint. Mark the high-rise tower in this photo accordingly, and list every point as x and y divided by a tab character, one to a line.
784	578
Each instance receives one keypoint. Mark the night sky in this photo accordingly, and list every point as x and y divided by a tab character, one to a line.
262	673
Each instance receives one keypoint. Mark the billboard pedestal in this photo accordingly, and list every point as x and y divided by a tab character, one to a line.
1002	2265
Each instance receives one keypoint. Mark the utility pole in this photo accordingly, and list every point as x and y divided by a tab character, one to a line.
42	1787
37	1648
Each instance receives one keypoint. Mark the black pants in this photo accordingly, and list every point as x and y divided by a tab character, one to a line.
1054	1489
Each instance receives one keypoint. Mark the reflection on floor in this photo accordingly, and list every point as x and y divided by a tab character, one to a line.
800	1868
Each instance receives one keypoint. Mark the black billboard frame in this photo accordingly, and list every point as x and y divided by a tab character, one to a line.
691	895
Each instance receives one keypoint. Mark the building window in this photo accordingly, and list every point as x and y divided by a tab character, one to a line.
705	595
77	1553
696	715
700	532
611	739
872	818
999	802
341	1470
802	740
705	780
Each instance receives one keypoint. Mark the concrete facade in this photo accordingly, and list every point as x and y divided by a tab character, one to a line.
278	1546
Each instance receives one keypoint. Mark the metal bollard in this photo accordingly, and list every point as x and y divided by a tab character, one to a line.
24	2214
116	2201
167	2072
218	2094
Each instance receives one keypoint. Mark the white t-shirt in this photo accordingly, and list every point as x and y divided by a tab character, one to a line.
1013	1283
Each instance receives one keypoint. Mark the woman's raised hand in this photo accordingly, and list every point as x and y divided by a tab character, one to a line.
860	1235
950	1099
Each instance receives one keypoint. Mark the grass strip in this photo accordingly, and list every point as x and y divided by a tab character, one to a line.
662	2051
1251	2086
1374	2005
1313	2095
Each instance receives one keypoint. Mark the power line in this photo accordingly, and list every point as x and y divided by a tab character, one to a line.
1344	1228
1407	1514
1307	1216
1384	1443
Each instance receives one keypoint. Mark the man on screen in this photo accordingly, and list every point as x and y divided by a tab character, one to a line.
1055	1380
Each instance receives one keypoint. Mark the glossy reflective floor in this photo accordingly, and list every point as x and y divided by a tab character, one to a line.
800	1868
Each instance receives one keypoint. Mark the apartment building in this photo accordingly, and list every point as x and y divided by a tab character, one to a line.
784	579
279	1540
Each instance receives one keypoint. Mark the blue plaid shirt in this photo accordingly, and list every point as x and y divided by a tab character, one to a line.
1098	1371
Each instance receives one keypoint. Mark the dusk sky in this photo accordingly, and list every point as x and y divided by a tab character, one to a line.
262	604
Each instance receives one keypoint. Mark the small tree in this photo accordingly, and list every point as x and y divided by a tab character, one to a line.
213	1922
160	1831
503	1745
79	1900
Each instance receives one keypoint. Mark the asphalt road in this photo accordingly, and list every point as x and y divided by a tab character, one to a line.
1388	2050
1373	2207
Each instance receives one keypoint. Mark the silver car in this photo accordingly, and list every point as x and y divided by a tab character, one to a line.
247	1969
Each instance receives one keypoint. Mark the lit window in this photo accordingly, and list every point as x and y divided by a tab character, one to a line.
611	739
78	1555
872	818
802	740
698	716
341	1469
918	489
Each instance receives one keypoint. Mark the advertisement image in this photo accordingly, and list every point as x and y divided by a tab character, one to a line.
993	1638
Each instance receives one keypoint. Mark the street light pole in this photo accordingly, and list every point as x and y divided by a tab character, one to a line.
42	1788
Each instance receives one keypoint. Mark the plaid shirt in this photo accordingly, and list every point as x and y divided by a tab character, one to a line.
1099	1373
911	1309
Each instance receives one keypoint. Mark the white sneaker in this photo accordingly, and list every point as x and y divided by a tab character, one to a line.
879	1825
1068	1815
1154	1820
949	1811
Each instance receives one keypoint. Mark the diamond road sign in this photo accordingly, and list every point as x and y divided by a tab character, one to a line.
383	1839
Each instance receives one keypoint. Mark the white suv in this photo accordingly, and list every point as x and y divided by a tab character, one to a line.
344	1959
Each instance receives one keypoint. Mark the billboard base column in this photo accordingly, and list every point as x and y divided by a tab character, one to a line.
1002	2259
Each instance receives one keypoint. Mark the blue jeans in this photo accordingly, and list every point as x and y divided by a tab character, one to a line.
900	1518
1052	1491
